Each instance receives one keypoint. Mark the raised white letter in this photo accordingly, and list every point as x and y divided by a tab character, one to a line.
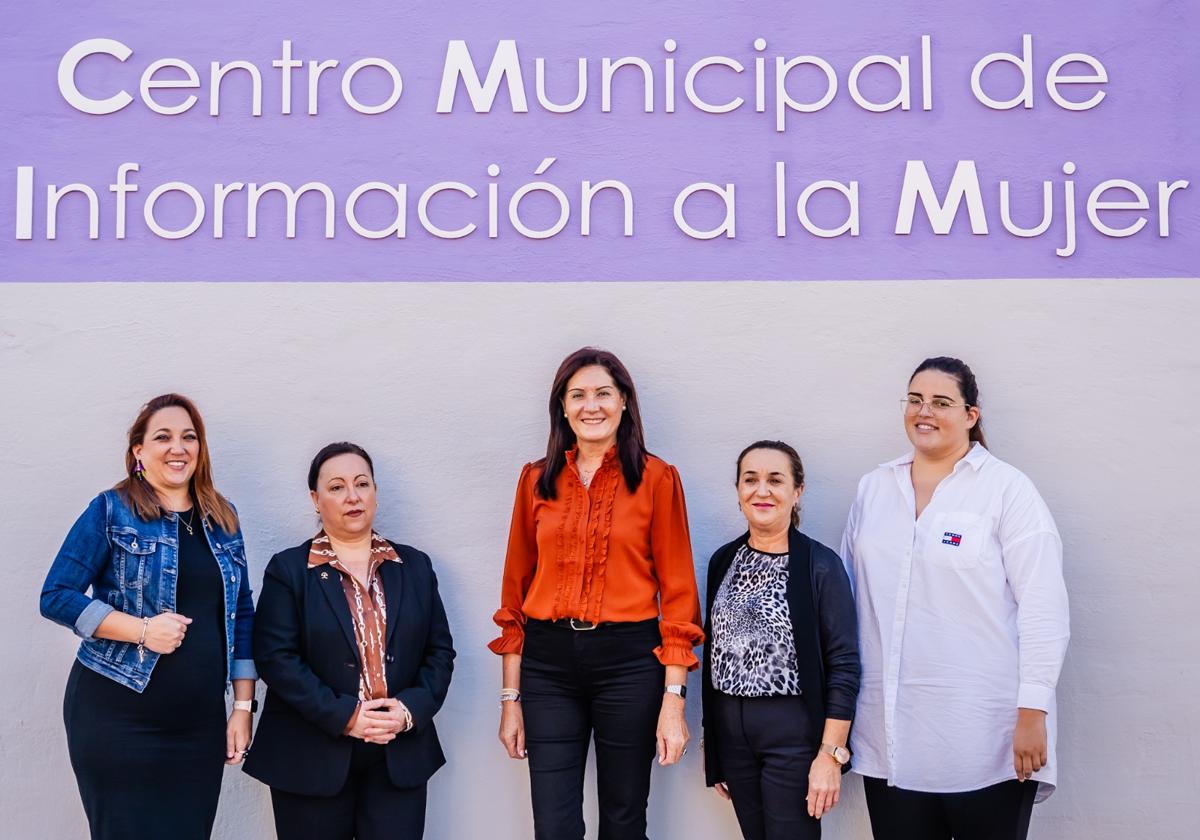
66	76
505	67
1053	80
1024	63
393	97
728	224
149	83
941	216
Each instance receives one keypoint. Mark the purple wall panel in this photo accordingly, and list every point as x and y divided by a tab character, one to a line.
1145	130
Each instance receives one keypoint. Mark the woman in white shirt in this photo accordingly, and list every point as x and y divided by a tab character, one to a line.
963	625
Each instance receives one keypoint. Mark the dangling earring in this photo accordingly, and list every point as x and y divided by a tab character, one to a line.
139	470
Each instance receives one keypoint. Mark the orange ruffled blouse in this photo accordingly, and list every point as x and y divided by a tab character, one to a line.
603	554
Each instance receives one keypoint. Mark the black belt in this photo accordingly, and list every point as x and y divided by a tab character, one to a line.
578	624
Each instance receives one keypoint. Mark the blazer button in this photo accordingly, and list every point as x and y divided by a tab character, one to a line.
390	658
350	665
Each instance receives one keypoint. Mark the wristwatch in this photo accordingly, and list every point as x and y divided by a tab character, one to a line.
840	754
250	706
679	690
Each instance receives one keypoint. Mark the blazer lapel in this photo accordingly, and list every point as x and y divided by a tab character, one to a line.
329	582
391	574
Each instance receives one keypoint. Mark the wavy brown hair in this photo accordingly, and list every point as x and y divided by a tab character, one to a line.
138	493
631	440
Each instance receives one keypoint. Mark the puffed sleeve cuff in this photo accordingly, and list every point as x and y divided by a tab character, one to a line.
678	641
512	631
243	669
1031	696
89	620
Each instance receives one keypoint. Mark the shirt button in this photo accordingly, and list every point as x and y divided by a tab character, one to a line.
232	579
231	615
231	650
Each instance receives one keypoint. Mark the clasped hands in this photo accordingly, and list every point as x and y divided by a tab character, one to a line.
380	721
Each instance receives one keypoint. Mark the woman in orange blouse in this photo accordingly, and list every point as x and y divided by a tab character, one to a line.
598	610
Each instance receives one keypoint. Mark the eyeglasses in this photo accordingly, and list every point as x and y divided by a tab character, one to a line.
938	405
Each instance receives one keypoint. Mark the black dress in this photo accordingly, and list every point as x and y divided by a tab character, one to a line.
150	764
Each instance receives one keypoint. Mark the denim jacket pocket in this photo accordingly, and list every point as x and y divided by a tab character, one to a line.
133	556
236	550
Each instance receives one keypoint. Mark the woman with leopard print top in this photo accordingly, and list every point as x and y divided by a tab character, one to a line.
781	662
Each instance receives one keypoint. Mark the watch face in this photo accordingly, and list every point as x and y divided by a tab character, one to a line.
841	755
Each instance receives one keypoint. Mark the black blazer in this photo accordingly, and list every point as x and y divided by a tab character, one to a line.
824	627
305	652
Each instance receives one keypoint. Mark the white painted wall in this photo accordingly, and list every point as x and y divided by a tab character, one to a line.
1089	387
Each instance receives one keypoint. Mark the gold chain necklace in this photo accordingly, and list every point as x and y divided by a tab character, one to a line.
188	524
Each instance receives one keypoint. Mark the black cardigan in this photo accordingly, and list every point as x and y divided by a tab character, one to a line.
825	629
305	650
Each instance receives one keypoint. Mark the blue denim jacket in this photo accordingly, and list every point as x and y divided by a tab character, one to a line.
132	565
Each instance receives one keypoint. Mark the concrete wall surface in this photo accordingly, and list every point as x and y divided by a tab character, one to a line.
1090	387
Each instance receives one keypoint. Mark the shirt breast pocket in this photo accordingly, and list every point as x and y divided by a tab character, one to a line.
957	538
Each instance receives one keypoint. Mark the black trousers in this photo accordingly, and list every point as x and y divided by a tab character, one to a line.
998	812
766	753
575	684
369	807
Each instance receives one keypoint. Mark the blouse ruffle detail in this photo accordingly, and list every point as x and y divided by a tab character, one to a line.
602	554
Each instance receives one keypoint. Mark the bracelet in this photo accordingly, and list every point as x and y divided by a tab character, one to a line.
509	695
141	646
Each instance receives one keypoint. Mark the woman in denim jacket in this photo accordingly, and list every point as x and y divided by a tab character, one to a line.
165	631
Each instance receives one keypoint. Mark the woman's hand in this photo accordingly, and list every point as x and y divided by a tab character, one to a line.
824	785
164	632
512	728
672	734
237	736
1029	743
380	721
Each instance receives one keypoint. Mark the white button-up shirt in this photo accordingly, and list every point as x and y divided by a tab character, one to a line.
962	618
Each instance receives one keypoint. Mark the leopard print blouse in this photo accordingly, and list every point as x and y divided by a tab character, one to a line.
753	649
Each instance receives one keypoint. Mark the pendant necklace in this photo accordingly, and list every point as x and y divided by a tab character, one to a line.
188	523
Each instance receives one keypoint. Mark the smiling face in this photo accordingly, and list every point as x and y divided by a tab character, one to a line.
345	497
767	490
942	424
593	404
169	450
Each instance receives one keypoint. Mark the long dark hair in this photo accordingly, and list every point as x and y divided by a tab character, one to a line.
966	385
793	457
631	440
143	498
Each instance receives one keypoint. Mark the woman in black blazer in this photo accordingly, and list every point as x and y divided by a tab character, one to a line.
352	641
781	669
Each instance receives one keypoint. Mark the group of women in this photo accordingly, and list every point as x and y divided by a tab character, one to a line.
939	631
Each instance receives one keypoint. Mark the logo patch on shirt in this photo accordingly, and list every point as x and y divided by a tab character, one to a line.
951	539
